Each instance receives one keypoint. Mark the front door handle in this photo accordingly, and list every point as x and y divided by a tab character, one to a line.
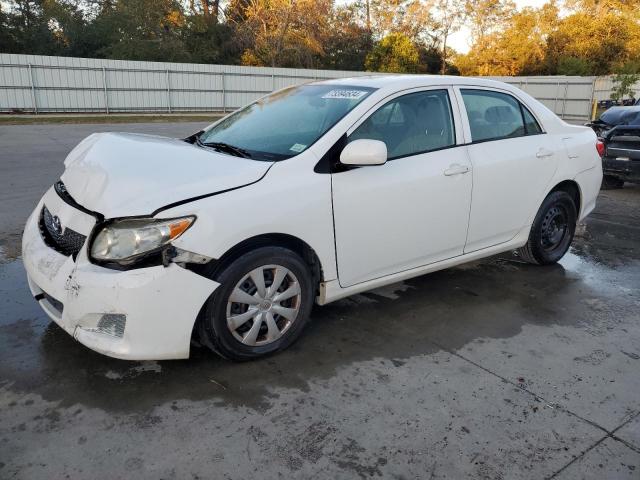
456	169
543	152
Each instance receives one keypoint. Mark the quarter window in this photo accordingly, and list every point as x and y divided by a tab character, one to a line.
530	123
494	115
411	124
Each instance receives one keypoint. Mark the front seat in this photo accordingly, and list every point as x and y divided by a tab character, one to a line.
427	129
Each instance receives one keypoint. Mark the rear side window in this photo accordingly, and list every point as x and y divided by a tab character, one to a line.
494	115
411	124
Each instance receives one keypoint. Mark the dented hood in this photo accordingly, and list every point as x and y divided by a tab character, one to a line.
125	174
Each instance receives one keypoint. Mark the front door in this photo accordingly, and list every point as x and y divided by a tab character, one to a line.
414	209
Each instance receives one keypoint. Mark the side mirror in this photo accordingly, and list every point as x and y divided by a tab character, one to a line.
364	152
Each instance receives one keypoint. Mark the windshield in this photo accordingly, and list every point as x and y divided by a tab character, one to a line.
285	123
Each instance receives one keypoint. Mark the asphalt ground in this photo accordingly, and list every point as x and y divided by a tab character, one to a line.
496	369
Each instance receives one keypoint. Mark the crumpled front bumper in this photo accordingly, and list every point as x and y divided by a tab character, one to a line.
160	303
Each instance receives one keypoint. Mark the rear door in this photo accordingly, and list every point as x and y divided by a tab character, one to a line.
414	209
513	162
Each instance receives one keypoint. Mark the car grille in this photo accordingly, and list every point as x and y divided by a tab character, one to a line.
65	241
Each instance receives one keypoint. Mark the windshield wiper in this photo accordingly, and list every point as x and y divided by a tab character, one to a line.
225	147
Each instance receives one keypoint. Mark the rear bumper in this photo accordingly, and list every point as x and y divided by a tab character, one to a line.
628	170
160	303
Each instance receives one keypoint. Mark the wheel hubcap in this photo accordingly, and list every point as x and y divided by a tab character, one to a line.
554	228
263	305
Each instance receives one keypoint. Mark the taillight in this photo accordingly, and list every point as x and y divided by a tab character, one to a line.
600	148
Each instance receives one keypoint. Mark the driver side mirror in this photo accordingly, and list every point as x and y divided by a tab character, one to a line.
364	152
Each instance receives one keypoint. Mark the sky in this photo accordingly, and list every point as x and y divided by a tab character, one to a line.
459	41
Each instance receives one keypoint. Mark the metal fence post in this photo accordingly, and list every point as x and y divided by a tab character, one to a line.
168	91
273	82
33	90
224	96
564	100
106	93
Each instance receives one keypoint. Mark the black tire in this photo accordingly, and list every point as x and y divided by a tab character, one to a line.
609	182
212	324
552	230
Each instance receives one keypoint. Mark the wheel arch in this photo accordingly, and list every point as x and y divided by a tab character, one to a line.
573	189
284	240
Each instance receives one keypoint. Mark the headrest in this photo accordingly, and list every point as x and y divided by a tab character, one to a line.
501	114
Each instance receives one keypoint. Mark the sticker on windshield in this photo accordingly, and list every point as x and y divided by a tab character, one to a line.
298	147
345	94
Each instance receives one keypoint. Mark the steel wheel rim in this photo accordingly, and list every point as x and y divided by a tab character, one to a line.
263	305
555	226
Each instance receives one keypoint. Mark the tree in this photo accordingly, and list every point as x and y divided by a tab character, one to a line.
486	17
574	66
208	9
284	33
209	41
449	18
142	30
518	49
395	53
26	29
624	81
602	41
411	18
347	45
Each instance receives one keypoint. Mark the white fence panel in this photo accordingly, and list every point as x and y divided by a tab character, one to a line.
30	83
570	98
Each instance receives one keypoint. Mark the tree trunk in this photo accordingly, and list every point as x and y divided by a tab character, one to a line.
443	70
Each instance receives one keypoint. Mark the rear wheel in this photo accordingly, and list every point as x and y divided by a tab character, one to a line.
609	182
261	307
552	230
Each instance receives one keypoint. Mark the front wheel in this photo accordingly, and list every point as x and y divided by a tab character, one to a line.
552	230
261	306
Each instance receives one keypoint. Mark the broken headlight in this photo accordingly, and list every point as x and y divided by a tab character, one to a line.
124	241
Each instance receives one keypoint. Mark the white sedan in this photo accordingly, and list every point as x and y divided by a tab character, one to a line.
308	195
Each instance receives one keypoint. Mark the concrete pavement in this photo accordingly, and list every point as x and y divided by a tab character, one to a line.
495	370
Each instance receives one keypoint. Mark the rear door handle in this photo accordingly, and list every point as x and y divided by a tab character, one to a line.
456	169
543	152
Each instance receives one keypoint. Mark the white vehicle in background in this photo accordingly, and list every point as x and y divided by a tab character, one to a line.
310	194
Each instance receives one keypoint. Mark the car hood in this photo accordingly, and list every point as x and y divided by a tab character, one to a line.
125	174
621	116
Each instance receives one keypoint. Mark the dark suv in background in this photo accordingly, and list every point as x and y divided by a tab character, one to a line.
619	130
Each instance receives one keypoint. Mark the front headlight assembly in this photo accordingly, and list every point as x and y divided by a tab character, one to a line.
126	241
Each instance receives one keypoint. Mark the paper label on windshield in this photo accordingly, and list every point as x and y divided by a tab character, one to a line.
345	94
298	147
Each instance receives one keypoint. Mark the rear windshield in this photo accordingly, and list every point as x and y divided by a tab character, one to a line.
286	123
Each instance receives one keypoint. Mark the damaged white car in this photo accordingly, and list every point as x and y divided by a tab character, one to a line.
308	195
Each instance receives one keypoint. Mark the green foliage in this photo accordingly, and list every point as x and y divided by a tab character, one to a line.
591	37
624	81
574	66
394	53
347	46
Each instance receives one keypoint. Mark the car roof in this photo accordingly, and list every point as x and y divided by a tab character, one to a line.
410	81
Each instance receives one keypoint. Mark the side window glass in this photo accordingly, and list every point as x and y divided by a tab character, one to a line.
492	115
530	123
414	123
